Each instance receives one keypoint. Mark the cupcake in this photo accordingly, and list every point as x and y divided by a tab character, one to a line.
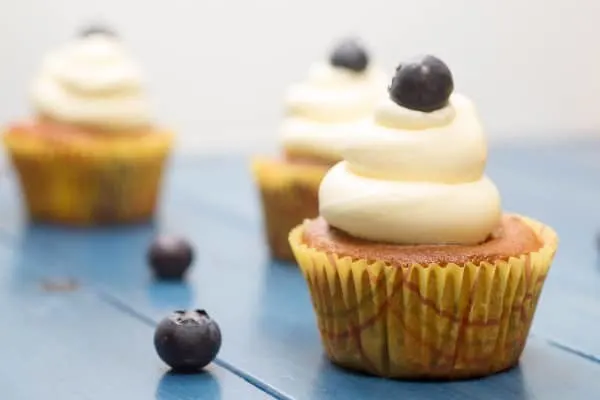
413	268
91	154
321	114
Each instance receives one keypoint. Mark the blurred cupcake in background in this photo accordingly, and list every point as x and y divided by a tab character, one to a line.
328	108
92	153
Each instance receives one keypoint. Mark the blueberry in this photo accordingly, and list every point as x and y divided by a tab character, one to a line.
187	341
424	84
97	29
170	257
351	55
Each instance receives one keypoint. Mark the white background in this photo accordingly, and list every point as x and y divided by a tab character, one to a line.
218	68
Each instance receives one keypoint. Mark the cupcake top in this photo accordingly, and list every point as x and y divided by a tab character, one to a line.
416	175
92	81
337	96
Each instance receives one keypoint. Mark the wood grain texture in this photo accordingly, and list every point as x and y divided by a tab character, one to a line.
264	309
72	345
61	340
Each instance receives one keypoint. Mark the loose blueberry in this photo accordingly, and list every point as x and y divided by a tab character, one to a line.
423	84
170	257
187	340
351	55
97	29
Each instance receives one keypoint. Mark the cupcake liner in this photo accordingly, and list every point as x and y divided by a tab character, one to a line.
289	194
89	182
425	321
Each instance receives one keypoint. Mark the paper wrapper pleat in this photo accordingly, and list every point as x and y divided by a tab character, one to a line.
92	182
289	194
425	321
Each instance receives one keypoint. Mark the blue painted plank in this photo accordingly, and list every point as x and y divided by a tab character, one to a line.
269	332
73	345
265	306
564	192
279	345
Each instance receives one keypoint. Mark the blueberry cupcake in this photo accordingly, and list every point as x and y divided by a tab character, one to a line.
91	153
414	270
322	112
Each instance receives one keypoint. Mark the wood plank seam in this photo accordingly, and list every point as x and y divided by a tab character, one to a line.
254	381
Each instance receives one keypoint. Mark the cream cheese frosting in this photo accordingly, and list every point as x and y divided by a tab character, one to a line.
331	106
92	81
414	177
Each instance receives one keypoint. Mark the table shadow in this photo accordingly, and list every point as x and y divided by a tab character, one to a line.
285	306
509	384
285	323
188	386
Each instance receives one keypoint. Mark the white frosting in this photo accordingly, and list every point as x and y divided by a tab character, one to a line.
454	152
330	106
391	115
326	140
92	81
415	178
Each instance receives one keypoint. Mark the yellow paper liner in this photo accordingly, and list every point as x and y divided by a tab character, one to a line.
89	182
289	194
425	321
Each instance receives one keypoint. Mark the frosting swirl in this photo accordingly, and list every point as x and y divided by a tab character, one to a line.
92	81
415	177
330	106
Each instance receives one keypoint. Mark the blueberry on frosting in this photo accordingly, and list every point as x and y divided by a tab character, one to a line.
424	84
349	54
97	29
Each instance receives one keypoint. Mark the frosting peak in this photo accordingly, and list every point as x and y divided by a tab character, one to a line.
332	94
330	107
92	81
414	177
445	146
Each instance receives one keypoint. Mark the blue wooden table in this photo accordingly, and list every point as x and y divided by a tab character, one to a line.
79	306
